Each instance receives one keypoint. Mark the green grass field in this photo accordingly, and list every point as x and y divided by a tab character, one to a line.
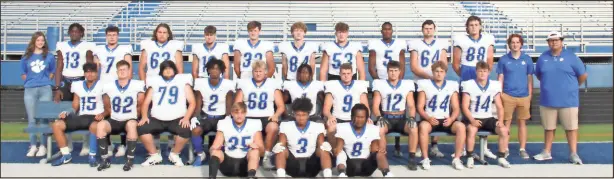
588	133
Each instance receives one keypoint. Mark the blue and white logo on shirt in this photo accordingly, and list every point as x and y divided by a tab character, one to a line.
37	66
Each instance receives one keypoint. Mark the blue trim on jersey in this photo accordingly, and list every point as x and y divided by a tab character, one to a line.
346	45
388	44
482	88
209	50
89	89
300	48
169	80
348	87
303	86
362	131
474	40
442	85
304	129
120	88
110	50
253	46
162	44
239	129
254	82
427	44
73	46
213	88
394	86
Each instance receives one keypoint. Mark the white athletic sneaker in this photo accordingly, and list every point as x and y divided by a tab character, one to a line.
152	160
426	164
342	175
543	156
42	151
489	154
175	159
389	175
267	163
470	162
121	151
32	151
575	159
435	152
418	153
457	164
281	172
504	163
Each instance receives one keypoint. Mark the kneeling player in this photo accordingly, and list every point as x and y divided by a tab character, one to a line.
123	98
305	140
359	142
243	145
436	98
477	106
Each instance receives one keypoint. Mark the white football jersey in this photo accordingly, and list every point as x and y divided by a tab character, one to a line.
237	139
428	54
205	54
311	90
385	52
438	100
302	143
297	55
124	99
357	145
481	97
345	97
169	100
260	100
214	97
472	50
108	59
157	54
74	56
251	52
90	99
394	97
338	55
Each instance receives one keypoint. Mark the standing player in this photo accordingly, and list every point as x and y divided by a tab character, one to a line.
341	96
169	93
251	50
242	141
107	57
436	98
394	95
123	97
87	108
339	52
71	55
305	142
160	48
423	54
358	152
305	87
262	95
477	98
472	48
293	54
203	53
214	100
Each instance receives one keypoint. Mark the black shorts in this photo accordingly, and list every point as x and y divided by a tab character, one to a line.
361	167
118	127
156	126
396	123
337	77
440	128
303	167
234	167
66	85
208	123
264	120
488	124
78	122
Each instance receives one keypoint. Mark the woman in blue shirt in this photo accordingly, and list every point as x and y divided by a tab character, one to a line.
37	70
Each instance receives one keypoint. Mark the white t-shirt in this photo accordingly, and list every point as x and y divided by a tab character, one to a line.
251	52
74	57
394	97
428	53
205	54
124	99
302	143
385	52
214	97
156	54
338	55
237	139
297	55
482	98
345	97
260	100
357	146
108	59
438	100
472	50
169	99
311	90
90	99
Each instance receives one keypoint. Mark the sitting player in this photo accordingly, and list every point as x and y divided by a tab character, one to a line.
123	97
305	87
172	107
359	142
87	103
308	152
394	94
477	106
436	98
215	98
243	145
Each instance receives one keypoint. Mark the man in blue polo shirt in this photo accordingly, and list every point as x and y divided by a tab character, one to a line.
515	71
561	73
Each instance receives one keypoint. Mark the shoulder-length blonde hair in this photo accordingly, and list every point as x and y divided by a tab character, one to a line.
32	45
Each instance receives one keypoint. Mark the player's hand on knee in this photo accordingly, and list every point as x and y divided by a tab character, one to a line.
411	122
99	117
274	118
433	121
194	123
144	120
184	123
278	148
500	123
326	147
476	123
448	122
63	114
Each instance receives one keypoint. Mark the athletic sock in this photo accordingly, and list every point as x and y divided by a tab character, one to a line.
131	144
104	147
433	144
469	153
385	171
93	144
197	143
123	139
500	154
412	155
214	165
251	173
65	150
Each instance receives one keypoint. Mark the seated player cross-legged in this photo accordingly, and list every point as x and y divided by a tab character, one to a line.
242	142
87	103
123	97
394	94
357	148
214	97
478	95
169	93
436	98
302	148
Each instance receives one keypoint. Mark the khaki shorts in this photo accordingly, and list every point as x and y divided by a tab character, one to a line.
568	116
522	106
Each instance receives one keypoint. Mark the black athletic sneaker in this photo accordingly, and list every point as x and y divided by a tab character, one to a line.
412	165
128	164
104	164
